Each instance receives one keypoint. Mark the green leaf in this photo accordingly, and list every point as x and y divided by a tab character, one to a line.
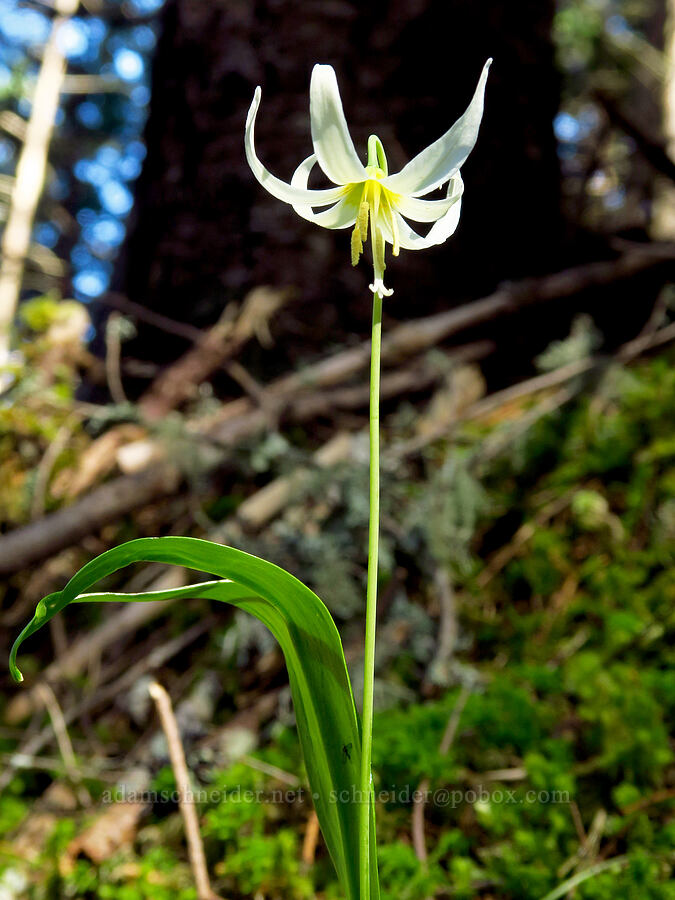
322	695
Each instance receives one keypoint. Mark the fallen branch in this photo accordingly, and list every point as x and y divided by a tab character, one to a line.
181	381
43	538
242	418
629	351
413	337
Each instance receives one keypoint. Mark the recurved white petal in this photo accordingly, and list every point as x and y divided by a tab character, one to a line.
440	230
271	183
342	215
440	160
333	144
430	210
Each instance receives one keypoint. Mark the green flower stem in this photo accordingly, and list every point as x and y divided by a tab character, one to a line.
371	601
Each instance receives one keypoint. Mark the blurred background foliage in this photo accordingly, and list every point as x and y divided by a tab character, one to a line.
181	361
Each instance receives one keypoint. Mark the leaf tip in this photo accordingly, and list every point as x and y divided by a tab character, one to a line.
14	670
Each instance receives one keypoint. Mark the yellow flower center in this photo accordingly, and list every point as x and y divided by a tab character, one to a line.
377	205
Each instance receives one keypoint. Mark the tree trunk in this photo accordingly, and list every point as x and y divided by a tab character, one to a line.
664	208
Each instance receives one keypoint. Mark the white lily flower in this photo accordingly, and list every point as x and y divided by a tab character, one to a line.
368	193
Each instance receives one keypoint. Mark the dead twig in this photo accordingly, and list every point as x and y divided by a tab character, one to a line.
185	793
157	320
588	849
63	741
113	355
51	704
273	771
46	464
311	839
662	796
578	822
437	670
516	773
23	761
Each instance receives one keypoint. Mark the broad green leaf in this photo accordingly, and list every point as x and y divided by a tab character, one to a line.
324	705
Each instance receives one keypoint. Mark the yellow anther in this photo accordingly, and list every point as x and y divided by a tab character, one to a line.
362	221
357	245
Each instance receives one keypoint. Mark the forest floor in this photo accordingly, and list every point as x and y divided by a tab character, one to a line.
525	678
